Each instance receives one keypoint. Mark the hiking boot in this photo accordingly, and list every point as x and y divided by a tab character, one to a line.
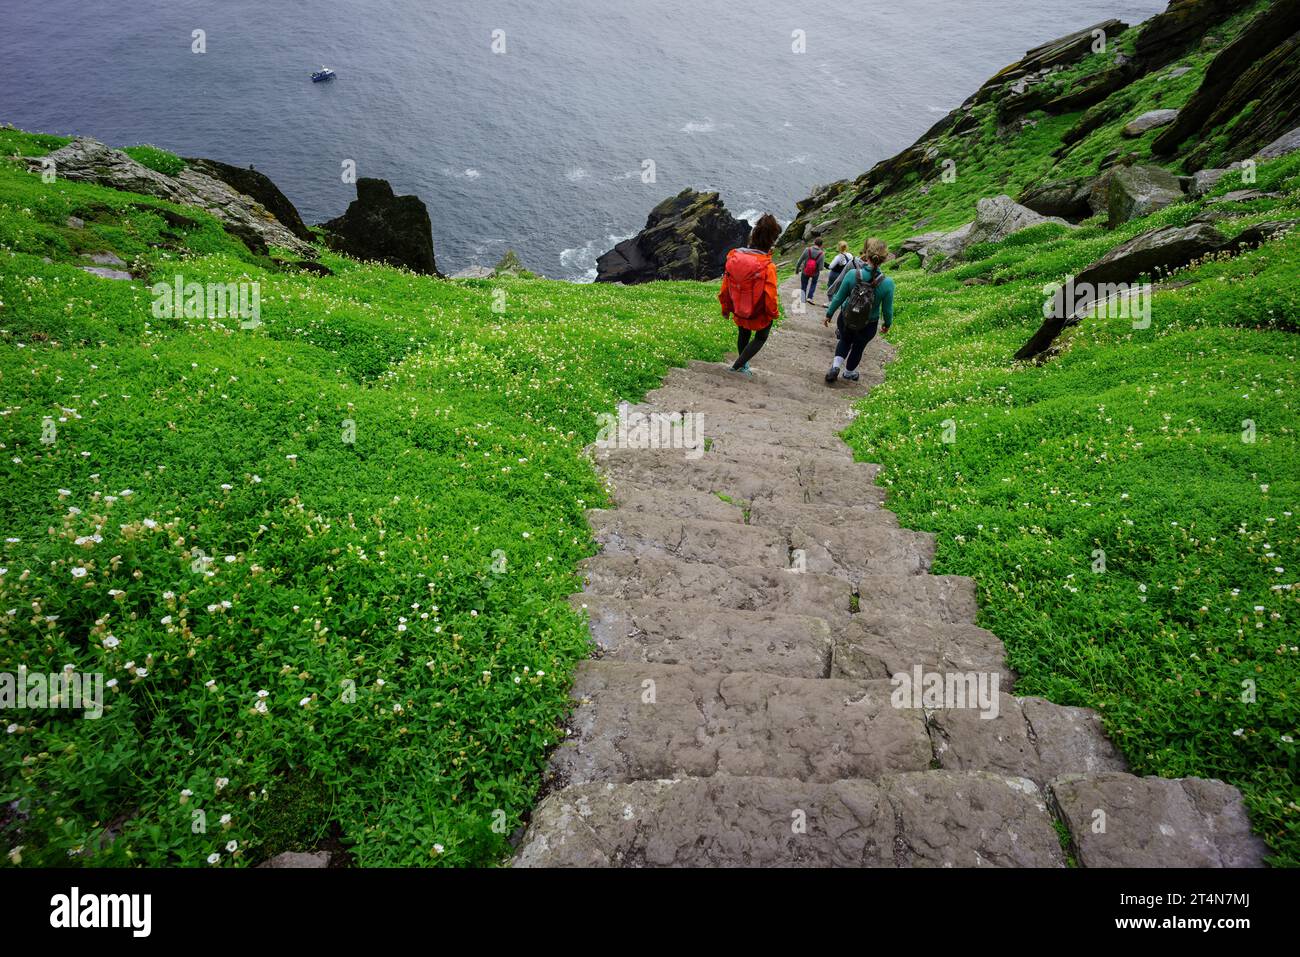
833	374
744	370
851	376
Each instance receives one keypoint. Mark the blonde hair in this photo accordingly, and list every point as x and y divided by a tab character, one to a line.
875	251
843	247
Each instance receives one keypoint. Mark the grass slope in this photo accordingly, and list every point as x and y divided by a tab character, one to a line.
1129	508
397	602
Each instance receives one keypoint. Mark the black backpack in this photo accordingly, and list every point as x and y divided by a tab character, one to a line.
857	311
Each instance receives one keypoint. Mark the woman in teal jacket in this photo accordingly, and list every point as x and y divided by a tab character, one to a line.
849	346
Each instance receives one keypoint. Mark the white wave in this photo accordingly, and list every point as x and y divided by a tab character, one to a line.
576	175
801	158
707	126
471	174
580	262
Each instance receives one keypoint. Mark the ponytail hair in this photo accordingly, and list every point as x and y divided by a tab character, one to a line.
875	251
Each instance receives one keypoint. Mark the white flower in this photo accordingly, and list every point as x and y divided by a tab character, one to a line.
226	486
111	683
261	707
225	819
142	672
214	857
264	693
78	572
232	846
210	683
12	729
166	619
150	523
221	783
437	848
111	642
304	702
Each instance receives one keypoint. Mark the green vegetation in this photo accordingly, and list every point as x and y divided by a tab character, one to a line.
156	159
1129	508
324	561
993	160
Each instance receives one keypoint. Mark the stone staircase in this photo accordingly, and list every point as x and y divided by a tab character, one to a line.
749	607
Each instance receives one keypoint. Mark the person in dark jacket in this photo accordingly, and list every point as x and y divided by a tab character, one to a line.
809	274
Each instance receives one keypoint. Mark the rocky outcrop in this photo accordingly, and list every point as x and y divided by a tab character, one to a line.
473	272
1151	253
86	160
1135	191
259	186
382	227
1284	144
1167	35
1064	198
996	218
1258	73
1154	252
686	236
1148	121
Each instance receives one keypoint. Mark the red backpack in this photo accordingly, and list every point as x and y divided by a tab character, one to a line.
810	266
747	283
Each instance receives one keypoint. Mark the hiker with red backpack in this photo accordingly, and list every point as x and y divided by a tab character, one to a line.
748	293
867	297
810	268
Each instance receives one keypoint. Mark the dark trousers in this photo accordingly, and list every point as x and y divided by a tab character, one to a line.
748	342
809	284
852	343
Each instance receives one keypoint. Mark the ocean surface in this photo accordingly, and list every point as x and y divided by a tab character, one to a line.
523	124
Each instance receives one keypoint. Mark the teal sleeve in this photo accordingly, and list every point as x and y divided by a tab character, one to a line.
847	281
887	305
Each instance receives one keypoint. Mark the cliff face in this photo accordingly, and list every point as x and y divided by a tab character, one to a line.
687	236
1224	73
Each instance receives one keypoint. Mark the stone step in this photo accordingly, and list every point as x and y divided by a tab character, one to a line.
790	378
632	497
747	589
918	819
787	515
936	598
689	540
1120	820
857	552
706	638
690	397
743	408
734	432
874	645
802	479
640	722
1028	737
